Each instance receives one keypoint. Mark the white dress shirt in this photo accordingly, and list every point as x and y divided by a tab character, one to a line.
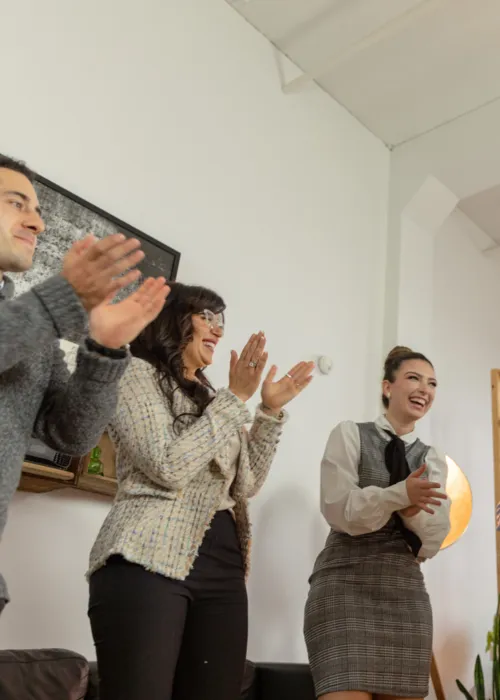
357	511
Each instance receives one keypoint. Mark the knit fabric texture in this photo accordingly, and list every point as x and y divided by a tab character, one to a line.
37	394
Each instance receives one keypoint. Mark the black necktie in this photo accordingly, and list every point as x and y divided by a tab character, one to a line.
397	466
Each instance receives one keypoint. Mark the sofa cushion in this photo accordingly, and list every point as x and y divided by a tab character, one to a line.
93	689
43	674
278	680
246	690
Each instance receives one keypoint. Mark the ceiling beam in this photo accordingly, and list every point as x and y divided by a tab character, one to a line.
383	32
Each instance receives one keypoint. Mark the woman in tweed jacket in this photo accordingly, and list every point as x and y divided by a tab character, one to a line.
368	619
168	604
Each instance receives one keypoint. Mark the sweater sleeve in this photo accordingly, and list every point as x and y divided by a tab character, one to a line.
345	506
49	311
77	408
144	429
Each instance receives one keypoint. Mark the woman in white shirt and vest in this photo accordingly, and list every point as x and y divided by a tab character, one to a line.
168	603
368	618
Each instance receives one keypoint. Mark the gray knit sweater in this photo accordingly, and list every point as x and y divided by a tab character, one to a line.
37	394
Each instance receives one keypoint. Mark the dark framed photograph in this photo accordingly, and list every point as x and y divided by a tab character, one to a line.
69	218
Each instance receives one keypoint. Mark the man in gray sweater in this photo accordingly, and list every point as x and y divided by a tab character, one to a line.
37	394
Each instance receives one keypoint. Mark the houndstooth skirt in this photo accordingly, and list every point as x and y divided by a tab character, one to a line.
368	618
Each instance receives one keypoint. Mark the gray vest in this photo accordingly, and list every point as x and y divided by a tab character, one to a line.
342	549
372	470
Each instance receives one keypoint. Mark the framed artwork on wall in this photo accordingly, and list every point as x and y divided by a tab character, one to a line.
68	218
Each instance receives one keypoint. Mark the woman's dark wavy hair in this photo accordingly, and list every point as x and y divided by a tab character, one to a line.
163	341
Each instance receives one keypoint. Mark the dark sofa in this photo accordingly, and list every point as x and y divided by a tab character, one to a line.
57	674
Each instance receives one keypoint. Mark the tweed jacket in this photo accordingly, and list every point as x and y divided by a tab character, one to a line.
171	481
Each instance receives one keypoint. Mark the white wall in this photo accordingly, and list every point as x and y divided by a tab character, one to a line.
462	584
170	116
464	156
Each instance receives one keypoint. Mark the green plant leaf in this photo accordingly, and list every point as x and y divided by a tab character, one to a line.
479	679
496	680
464	690
496	653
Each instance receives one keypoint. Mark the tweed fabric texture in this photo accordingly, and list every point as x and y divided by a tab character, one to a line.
171	484
368	619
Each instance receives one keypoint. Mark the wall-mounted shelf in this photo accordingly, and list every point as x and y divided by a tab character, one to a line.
37	478
47	472
97	484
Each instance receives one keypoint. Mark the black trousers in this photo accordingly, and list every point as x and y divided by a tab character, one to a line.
161	639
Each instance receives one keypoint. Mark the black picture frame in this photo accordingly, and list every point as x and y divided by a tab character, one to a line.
68	218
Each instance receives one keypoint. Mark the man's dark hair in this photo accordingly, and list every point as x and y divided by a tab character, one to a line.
18	166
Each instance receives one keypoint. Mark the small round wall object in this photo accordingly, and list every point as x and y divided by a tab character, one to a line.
325	364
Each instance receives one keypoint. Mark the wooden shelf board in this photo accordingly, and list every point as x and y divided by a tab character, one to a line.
37	478
37	484
47	472
97	484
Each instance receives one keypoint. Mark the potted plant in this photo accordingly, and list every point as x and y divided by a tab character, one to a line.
492	645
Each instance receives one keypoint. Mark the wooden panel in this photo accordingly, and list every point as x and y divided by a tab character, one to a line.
97	484
39	484
38	478
108	456
495	406
436	680
497	394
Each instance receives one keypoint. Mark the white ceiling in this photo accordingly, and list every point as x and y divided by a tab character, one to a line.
401	67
